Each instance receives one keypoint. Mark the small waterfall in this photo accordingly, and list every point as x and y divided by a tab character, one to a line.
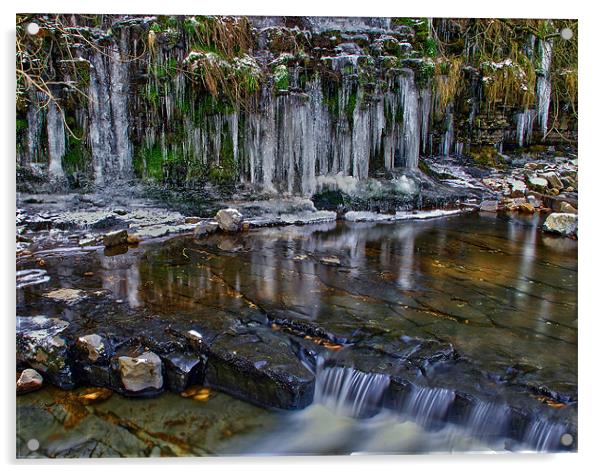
428	406
544	435
488	419
544	86
350	392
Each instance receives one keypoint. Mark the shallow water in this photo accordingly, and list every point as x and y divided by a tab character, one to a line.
503	293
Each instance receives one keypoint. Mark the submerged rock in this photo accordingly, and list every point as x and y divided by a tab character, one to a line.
229	220
564	224
30	380
141	373
118	237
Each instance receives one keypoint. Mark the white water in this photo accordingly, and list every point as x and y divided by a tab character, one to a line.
543	435
348	391
427	406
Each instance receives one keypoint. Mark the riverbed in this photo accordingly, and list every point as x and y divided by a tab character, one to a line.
488	301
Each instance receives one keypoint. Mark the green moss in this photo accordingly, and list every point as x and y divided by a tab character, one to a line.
424	73
487	156
351	104
281	77
227	170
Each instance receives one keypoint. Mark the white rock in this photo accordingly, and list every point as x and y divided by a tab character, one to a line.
141	372
229	220
562	223
30	380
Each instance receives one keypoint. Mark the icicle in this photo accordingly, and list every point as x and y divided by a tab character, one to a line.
55	127
544	86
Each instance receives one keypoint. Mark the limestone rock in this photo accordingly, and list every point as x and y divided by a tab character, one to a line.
526	208
229	220
41	344
94	346
517	188
562	223
567	208
118	237
553	180
538	184
141	373
30	380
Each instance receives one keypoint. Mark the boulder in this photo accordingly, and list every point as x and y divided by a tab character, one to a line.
538	184
553	180
42	345
229	220
30	380
526	208
568	181
564	224
567	208
141	373
489	206
517	188
93	345
118	237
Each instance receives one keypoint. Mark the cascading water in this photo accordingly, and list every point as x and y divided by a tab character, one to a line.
350	392
543	435
488	419
428	406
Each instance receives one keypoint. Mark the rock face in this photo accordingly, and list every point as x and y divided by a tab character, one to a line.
118	237
229	220
30	380
564	224
140	373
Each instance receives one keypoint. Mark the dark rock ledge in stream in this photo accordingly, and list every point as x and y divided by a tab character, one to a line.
276	362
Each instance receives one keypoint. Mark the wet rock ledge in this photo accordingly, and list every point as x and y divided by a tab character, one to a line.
274	362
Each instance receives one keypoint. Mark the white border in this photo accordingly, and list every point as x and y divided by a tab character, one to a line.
590	123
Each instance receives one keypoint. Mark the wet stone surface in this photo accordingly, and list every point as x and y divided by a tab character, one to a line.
483	306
